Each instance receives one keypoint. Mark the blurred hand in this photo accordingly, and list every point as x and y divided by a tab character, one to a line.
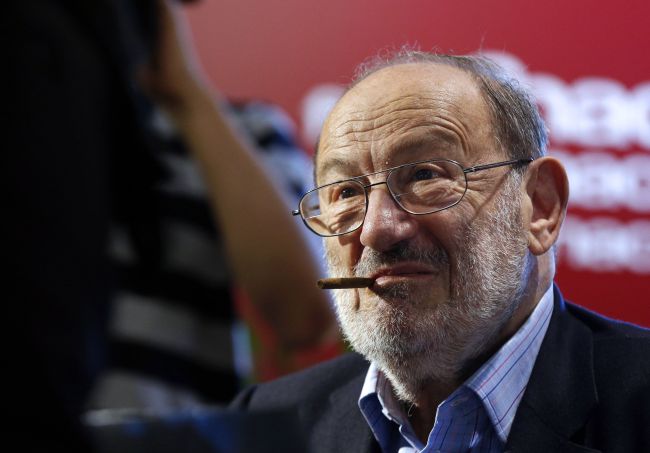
173	76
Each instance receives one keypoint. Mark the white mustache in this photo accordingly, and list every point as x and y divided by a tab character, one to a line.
372	260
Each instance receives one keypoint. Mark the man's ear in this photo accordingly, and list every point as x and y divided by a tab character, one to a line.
546	198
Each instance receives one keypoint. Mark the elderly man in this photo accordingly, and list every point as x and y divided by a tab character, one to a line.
434	186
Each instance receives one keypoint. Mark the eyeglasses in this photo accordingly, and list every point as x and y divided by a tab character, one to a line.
419	188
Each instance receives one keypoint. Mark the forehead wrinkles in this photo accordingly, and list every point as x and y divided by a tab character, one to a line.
380	122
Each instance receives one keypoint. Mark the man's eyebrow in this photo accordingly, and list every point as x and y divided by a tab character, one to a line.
332	164
420	146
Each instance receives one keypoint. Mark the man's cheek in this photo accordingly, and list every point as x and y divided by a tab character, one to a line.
341	256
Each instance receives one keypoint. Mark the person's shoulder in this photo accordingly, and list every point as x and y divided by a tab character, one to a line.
607	329
330	373
313	383
621	378
621	350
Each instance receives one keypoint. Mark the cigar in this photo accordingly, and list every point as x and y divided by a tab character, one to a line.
342	282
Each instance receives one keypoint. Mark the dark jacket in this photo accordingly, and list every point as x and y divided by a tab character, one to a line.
589	391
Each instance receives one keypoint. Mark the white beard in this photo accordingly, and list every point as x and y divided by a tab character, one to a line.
413	345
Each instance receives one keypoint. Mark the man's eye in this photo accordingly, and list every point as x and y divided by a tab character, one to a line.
337	193
424	174
348	192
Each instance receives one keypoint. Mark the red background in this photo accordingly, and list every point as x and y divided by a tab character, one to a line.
278	50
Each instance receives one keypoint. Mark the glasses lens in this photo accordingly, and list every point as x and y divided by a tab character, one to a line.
426	187
334	209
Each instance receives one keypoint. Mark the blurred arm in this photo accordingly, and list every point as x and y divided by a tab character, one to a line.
268	253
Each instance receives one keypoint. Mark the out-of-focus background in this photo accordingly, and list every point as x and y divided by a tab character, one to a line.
586	60
149	247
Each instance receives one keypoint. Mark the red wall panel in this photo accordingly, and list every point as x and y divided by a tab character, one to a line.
280	50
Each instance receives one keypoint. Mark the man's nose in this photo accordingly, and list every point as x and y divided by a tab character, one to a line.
386	224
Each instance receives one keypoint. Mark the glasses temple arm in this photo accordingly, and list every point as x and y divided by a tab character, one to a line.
498	164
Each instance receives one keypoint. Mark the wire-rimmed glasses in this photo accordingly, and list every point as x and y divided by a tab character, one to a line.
419	188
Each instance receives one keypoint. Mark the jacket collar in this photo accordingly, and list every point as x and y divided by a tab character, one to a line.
561	392
556	405
353	432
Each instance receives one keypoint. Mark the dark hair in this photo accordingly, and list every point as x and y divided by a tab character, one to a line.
519	128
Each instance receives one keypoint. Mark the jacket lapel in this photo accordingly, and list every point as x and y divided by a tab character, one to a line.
345	427
561	392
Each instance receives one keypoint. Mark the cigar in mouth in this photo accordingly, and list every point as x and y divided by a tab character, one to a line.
343	282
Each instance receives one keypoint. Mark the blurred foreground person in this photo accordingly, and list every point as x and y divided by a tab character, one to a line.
441	209
85	174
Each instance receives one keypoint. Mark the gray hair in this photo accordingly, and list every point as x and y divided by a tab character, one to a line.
519	128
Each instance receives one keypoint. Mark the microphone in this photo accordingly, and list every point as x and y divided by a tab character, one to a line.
344	282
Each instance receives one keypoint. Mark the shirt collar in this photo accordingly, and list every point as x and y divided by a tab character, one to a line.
499	383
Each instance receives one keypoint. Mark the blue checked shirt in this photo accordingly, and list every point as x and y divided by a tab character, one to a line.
477	416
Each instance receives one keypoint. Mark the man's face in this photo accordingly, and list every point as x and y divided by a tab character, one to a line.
445	283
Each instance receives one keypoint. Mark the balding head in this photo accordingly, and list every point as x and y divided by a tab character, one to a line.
518	127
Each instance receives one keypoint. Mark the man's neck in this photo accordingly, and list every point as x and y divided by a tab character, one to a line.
422	412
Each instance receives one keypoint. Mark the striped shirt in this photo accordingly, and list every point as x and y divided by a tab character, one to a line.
477	416
176	342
